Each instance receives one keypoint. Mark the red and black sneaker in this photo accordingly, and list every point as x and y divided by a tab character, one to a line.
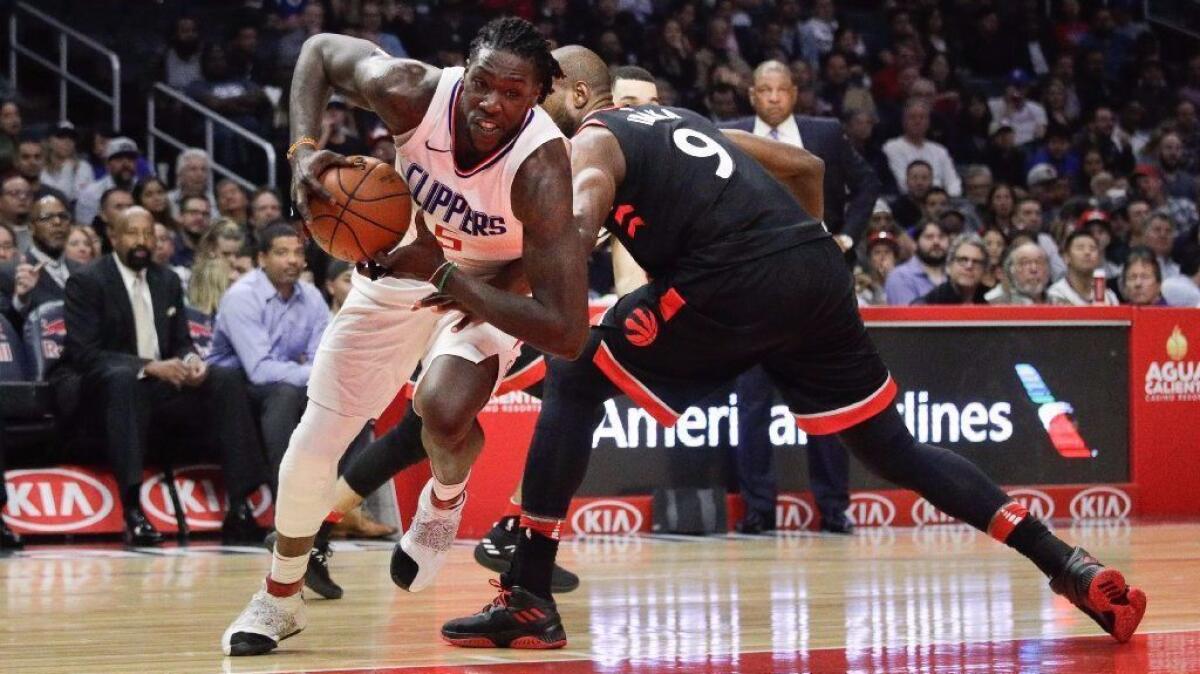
1101	592
516	618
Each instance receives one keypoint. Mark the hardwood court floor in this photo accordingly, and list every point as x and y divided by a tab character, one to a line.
939	599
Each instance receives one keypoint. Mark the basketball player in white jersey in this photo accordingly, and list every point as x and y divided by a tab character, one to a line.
491	180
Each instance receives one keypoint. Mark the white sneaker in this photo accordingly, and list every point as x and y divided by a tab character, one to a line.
264	622
422	550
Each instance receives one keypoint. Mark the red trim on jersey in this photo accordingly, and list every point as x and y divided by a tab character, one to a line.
835	421
1006	519
499	152
594	122
630	386
597	111
670	303
523	378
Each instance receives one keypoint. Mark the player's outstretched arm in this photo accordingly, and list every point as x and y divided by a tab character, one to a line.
398	90
800	170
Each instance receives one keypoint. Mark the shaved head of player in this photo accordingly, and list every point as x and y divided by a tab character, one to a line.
633	86
585	86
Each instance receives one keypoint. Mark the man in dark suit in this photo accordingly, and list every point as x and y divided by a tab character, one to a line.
39	275
851	188
128	343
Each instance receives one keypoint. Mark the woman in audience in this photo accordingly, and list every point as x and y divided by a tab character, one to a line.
151	194
995	243
79	245
1001	205
211	277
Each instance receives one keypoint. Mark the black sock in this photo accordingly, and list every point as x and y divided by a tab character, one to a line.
322	539
533	563
131	498
1031	538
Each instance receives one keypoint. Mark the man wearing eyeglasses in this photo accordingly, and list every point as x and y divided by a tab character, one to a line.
15	197
40	274
965	264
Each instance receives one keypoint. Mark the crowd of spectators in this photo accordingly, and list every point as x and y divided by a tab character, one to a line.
1023	150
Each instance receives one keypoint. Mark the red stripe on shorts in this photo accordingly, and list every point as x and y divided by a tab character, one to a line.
836	421
630	386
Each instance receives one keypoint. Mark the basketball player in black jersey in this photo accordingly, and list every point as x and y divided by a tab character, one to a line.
743	274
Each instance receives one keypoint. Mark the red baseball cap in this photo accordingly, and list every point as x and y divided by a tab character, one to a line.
1147	170
884	237
1091	215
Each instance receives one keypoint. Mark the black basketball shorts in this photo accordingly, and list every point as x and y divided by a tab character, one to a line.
794	312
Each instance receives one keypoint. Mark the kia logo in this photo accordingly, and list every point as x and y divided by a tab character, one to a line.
201	494
1038	503
924	512
792	514
871	510
56	500
1101	503
607	517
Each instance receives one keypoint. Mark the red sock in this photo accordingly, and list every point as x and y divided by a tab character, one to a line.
277	589
511	510
549	527
334	517
1006	519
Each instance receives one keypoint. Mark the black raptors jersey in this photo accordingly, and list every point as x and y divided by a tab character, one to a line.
692	203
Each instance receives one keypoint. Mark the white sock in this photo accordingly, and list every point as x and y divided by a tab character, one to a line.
287	570
449	493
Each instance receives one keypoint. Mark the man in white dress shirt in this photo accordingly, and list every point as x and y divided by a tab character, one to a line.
913	144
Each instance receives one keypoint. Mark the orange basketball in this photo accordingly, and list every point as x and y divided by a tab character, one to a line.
370	211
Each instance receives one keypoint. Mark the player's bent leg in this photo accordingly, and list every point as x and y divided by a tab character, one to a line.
306	479
448	398
960	489
524	614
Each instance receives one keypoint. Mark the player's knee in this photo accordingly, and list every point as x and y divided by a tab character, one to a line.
445	422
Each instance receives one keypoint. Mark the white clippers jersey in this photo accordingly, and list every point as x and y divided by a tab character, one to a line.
469	209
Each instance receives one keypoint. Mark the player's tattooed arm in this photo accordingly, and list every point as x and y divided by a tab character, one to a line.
800	170
554	317
398	90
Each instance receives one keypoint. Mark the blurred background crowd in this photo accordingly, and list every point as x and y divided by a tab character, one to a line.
1011	153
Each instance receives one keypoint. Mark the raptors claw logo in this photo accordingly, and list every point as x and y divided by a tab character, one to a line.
641	327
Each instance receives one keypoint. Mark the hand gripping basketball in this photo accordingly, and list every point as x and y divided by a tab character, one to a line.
307	168
419	259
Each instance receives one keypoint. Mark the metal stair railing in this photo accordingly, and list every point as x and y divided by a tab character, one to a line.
212	119
65	35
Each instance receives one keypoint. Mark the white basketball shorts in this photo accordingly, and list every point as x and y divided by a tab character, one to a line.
374	344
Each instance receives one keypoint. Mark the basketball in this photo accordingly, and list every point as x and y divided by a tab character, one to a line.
370	211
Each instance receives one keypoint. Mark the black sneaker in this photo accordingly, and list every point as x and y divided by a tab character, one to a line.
1101	592
496	549
316	576
515	619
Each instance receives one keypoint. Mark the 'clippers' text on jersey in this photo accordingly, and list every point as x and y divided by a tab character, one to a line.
448	206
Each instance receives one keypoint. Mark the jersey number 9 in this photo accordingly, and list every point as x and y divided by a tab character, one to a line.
696	144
